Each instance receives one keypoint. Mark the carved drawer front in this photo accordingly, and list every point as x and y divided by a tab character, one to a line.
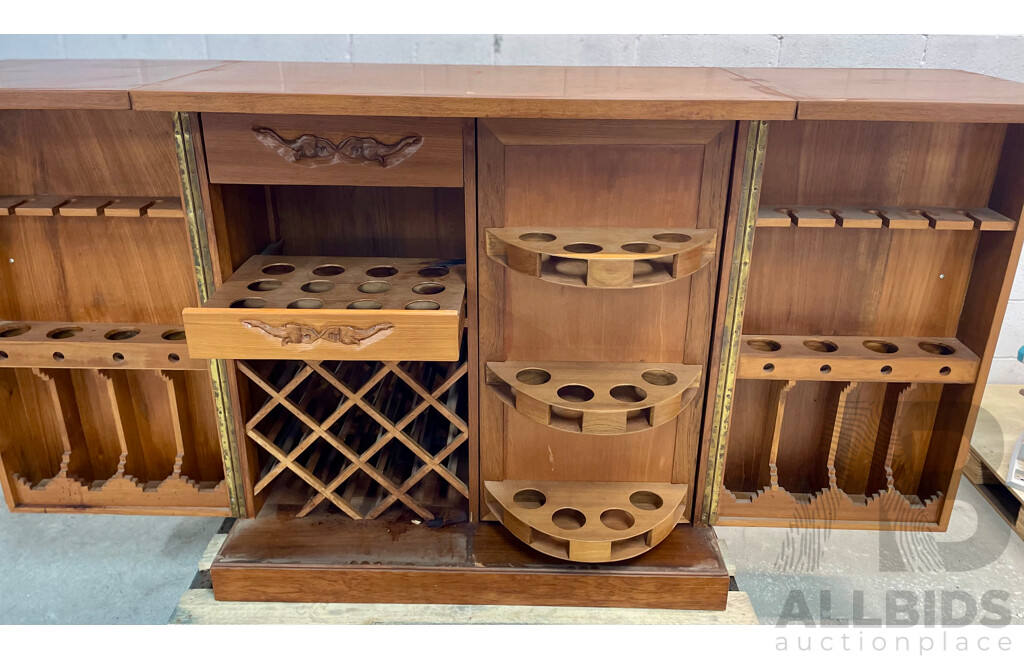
328	308
344	151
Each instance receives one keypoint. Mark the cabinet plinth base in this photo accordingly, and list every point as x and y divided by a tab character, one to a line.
391	560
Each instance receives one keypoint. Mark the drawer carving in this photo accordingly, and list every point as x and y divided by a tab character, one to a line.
311	150
299	333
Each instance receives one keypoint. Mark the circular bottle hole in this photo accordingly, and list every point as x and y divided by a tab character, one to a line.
278	269
530	498
423	304
58	356
617	519
936	348
768	367
382	271
432	271
537	237
641	248
13	329
880	346
173	335
173	358
886	370
568	519
249	302
533	376
121	334
646	500
582	248
428	288
265	285
575	393
821	346
328	270
766	345
945	371
628	393
374	287
4	355
117	357
63	333
306	303
659	377
672	238
365	304
825	369
317	286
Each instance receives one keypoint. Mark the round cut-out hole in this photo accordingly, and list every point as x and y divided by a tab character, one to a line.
173	335
63	333
936	348
575	393
278	269
617	519
945	371
672	238
265	285
428	288
306	303
365	304
249	302
432	271
568	519
4	355
317	286
533	376
423	304
328	270
374	287
530	498
886	370
879	346
173	358
14	329
628	393
641	248
821	346
768	367
58	356
382	271
766	345
121	334
537	237
646	500
825	369
660	377
582	248
117	357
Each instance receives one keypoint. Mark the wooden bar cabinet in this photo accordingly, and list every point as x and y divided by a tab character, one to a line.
509	335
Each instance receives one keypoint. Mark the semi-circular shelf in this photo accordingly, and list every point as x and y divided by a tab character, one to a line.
606	258
602	398
587	521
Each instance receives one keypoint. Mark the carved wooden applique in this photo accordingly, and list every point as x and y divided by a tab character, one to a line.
311	150
297	333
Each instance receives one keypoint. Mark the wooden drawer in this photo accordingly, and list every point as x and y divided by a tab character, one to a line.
342	151
326	308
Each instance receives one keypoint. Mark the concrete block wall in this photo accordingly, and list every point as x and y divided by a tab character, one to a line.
1001	56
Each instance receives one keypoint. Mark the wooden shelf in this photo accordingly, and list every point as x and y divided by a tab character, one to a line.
941	218
73	345
122	207
587	521
604	398
613	258
849	358
333	308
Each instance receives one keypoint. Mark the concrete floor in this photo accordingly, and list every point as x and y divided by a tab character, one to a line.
133	569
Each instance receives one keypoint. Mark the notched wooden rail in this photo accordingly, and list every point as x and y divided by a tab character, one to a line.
61	205
873	217
612	258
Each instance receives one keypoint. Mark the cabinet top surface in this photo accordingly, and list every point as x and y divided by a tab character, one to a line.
511	91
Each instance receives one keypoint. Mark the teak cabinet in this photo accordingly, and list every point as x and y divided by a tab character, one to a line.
443	334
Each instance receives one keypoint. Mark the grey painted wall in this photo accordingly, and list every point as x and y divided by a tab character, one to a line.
994	55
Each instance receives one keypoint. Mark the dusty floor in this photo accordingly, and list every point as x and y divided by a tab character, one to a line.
133	569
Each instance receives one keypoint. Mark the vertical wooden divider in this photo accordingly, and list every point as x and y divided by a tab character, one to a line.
909	441
75	456
124	420
177	396
780	410
837	433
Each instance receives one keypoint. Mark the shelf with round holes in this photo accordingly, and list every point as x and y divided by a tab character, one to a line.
333	308
855	217
602	398
849	358
587	521
71	345
605	258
